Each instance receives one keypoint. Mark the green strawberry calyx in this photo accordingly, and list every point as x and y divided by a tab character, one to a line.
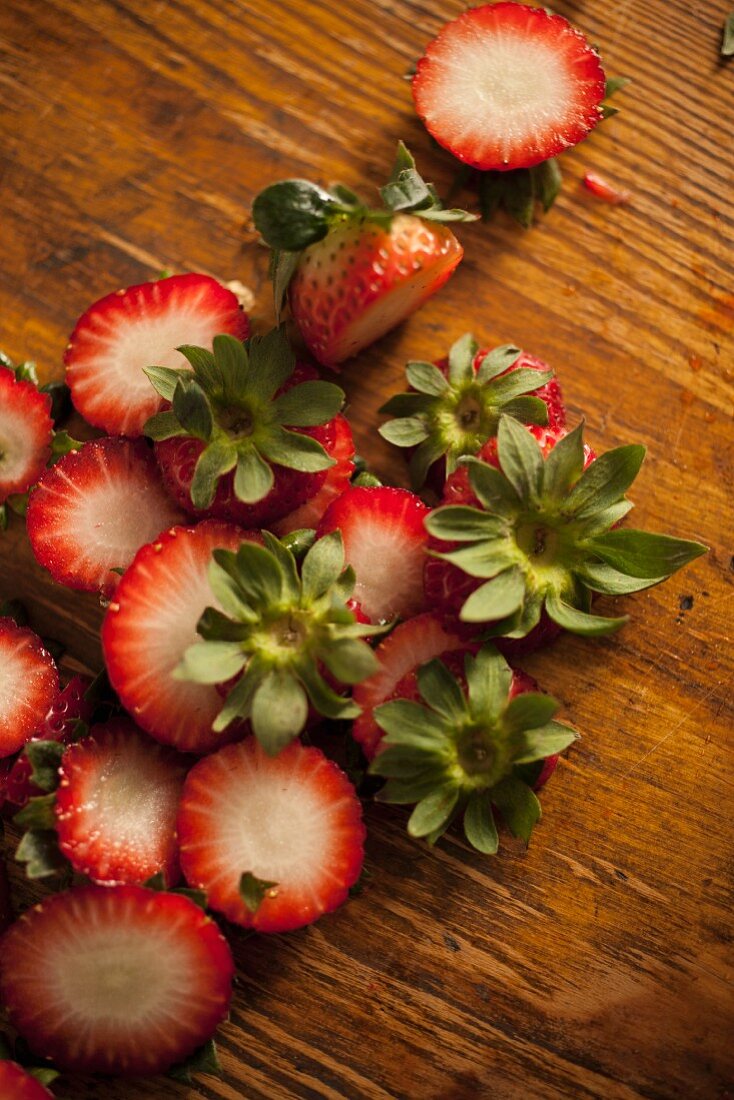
467	751
293	214
455	414
543	537
279	627
229	400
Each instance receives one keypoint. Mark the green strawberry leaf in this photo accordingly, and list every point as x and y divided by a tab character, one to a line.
496	362
518	805
279	710
293	214
253	890
479	826
45	759
426	378
214	461
434	811
580	622
528	711
544	741
253	477
309	404
496	599
191	409
203	1060
643	554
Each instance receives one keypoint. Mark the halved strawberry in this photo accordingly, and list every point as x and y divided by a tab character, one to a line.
25	434
352	273
292	821
94	509
507	86
469	738
116	805
336	481
29	683
453	406
126	331
247	438
384	542
115	979
152	622
410	644
17	1084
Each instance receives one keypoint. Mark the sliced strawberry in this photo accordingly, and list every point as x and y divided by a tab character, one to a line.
17	1084
411	643
507	86
605	190
115	979
29	683
152	622
292	820
116	805
337	480
94	509
384	541
134	328
25	434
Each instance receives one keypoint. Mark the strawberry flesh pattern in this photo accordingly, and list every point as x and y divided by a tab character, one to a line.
25	434
29	684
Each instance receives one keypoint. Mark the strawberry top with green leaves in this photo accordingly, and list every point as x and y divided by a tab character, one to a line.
350	272
278	628
253	420
506	86
461	751
25	433
453	408
545	539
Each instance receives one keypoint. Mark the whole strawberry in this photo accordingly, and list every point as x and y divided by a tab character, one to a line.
454	405
464	750
351	273
247	431
544	536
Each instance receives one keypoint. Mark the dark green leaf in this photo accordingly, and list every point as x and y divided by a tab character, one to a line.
529	410
518	196
299	542
433	811
227	593
491	190
203	1060
45	758
488	678
232	365
210	662
520	458
528	711
350	660
426	378
39	850
296	451
272	362
461	359
605	481
544	741
484	559
492	488
496	362
162	425
602	578
216	460
238	703
615	84
408	404
496	599
462	523
201	360
547	182
517	382
253	890
293	214
259	574
322	566
602	521
308	404
283	267
407	432
253	477
164	380
422	459
580	622
191	409
279	710
441	692
479	826
405	761
324	699
642	554
406	722
286	560
564	465
518	805
38	813
63	444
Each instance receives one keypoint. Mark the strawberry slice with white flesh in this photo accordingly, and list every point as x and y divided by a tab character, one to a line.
126	331
506	86
25	433
470	744
385	543
291	823
410	644
152	622
117	980
92	511
17	1084
29	684
116	805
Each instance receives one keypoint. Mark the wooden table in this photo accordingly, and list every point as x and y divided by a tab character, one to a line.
597	964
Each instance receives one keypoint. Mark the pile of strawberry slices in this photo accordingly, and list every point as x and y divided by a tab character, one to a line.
266	597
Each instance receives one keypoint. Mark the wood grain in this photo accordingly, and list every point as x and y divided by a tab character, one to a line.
135	134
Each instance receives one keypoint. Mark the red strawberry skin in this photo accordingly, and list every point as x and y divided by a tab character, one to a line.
16	1084
409	645
139	327
336	482
156	963
29	684
25	434
152	621
94	509
384	541
116	805
293	819
364	278
6	906
507	86
177	459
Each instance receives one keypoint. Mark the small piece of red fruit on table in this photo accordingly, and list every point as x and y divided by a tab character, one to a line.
605	190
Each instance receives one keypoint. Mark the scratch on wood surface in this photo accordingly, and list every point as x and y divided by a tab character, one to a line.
696	707
130	249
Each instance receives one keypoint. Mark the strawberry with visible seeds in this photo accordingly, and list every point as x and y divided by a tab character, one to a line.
17	1084
151	622
117	980
466	747
249	430
116	805
25	433
544	536
336	482
29	684
506	86
94	509
454	405
384	542
351	273
122	333
292	821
